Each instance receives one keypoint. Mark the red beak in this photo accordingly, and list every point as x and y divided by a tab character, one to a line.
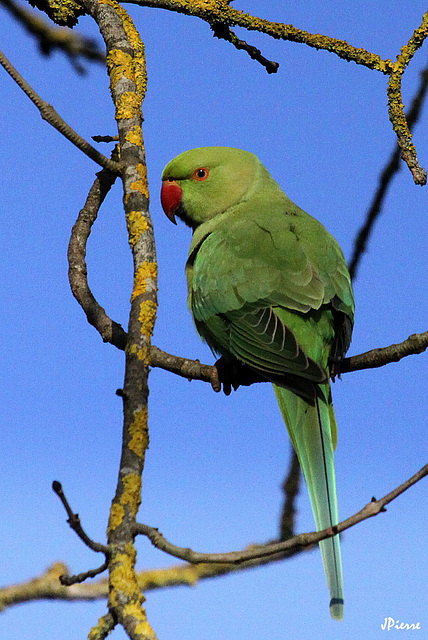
171	194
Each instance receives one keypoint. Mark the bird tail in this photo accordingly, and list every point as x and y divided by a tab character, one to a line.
313	433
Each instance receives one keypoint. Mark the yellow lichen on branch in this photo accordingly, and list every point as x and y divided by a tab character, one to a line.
139	433
135	136
133	67
141	184
137	224
395	102
147	316
124	585
145	276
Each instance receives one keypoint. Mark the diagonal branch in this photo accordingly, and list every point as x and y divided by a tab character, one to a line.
395	105
391	168
415	344
223	32
49	114
292	545
48	587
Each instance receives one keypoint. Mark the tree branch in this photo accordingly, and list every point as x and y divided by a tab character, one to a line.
49	114
128	80
391	168
103	628
416	343
194	370
395	105
76	525
291	488
48	587
294	544
219	12
223	32
50	38
109	330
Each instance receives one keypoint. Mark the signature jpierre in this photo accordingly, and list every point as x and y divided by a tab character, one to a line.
390	623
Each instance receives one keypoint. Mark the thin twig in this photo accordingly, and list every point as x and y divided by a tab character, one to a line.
296	543
223	32
68	580
75	524
49	114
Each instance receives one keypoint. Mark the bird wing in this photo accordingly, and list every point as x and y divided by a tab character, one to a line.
253	278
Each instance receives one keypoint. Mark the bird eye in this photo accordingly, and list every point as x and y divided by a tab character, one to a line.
201	173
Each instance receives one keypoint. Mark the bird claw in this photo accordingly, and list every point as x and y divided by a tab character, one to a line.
232	374
215	380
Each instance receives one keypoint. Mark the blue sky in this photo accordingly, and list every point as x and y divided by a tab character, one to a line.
215	465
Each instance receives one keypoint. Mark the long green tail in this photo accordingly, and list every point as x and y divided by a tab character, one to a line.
313	433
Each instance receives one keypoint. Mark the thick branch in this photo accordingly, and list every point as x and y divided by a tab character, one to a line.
128	79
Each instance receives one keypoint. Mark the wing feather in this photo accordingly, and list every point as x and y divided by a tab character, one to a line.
262	274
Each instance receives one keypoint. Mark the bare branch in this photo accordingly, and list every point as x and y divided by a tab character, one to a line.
416	343
75	524
48	587
194	370
294	544
223	32
68	580
184	367
49	114
109	330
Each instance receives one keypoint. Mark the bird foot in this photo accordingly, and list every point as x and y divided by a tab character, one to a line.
232	374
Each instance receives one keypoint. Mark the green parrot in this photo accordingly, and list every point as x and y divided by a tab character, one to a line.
270	292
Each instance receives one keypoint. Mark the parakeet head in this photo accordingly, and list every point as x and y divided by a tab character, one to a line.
202	183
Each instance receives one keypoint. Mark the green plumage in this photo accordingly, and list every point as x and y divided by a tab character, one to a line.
269	287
